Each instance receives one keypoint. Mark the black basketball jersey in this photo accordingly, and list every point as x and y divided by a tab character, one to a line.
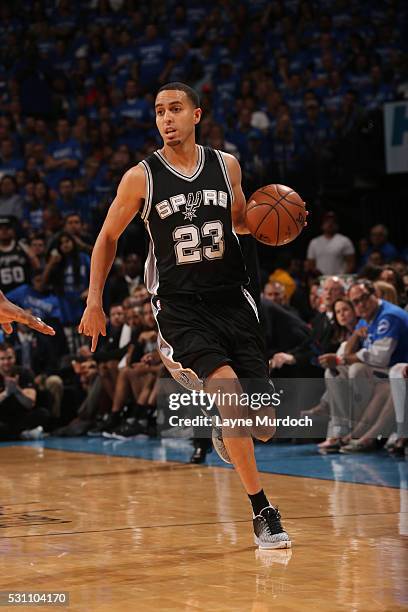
193	247
13	267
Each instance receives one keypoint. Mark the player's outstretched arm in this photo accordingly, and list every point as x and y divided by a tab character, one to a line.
239	203
10	313
128	200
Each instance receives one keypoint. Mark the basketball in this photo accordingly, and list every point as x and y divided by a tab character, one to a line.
275	214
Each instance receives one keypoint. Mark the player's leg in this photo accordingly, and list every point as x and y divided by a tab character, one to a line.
238	440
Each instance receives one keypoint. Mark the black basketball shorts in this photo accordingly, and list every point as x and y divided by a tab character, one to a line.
197	334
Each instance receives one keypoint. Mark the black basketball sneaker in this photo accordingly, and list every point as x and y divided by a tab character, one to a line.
268	531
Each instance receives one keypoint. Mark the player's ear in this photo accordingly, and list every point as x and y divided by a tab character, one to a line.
197	115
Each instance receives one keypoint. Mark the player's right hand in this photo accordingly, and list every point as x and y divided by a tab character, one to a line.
92	324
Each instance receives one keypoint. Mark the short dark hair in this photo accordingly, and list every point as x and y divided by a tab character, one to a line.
363	282
189	91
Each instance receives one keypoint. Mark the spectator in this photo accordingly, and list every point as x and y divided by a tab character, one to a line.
73	225
9	164
67	272
331	253
379	341
18	397
284	330
125	279
37	247
68	202
63	155
16	258
11	202
322	340
386	291
379	242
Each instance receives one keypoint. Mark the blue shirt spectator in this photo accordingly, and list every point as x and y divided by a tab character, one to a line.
33	297
386	342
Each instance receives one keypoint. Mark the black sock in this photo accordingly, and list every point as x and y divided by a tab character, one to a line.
259	501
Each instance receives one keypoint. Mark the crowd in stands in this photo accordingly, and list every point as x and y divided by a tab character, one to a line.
295	91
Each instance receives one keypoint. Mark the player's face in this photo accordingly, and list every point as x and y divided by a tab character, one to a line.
176	117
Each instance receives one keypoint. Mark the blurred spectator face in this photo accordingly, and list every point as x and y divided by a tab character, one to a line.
344	314
312	110
376	74
335	79
131	90
140	293
129	302
7	149
275	292
148	318
84	351
40	191
348	102
378	235
400	267
333	289
405	281
314	297
116	315
132	265
66	245
21	178
389	276
38	246
39	152
36	282
73	225
7	233
386	291
88	371
363	246
245	118
8	187
151	32
7	361
66	189
375	258
329	224
364	302
63	129
134	317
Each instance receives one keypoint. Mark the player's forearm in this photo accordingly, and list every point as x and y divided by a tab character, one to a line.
101	262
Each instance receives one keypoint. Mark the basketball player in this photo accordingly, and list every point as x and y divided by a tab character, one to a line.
191	201
10	313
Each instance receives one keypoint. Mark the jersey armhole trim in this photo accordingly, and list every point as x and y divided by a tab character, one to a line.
149	192
225	173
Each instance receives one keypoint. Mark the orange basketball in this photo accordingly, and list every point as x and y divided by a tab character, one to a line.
275	214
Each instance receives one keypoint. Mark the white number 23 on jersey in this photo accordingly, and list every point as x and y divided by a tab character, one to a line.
188	247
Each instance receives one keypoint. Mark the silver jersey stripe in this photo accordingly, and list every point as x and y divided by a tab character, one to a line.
251	302
151	272
197	172
225	173
185	376
149	191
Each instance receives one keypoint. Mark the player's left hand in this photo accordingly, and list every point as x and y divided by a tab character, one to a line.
10	313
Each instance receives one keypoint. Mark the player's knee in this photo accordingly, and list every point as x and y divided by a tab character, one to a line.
264	434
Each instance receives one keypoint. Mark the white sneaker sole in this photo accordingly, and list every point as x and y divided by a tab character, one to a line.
272	545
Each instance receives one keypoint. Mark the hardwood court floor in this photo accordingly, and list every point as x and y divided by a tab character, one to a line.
125	534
